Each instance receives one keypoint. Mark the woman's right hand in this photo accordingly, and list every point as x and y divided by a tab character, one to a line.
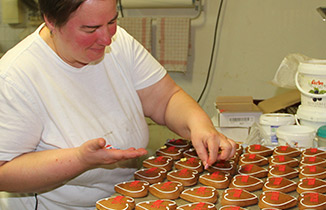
93	153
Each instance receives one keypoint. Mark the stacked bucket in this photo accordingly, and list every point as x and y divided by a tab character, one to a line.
300	130
310	80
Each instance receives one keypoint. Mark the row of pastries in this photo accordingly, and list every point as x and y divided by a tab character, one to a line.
256	176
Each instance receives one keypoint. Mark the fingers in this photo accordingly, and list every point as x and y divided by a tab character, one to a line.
227	149
201	152
213	148
93	153
119	155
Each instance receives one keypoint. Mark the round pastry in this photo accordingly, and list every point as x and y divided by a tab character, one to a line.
189	163
282	171
259	149
312	171
231	207
116	203
159	162
314	152
135	189
283	160
287	150
253	170
226	166
311	184
190	153
166	190
170	151
276	199
312	200
179	143
279	184
238	197
217	179
200	194
313	161
156	204
197	206
151	175
248	158
246	182
185	176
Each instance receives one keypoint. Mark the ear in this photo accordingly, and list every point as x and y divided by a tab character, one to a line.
49	23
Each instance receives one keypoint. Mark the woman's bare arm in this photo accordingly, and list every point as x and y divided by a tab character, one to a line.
166	103
44	170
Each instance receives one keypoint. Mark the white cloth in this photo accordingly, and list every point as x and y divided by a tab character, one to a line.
48	104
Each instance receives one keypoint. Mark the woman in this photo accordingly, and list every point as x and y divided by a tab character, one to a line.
75	85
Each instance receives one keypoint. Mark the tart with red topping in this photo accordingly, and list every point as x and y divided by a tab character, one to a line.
249	183
116	203
253	170
151	175
259	149
159	162
238	197
287	150
156	205
166	190
283	160
180	143
312	200
135	189
279	184
170	151
276	199
311	184
189	163
200	194
217	179
185	176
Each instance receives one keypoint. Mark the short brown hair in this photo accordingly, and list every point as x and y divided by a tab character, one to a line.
59	11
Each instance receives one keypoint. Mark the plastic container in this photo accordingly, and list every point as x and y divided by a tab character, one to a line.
311	116
321	136
298	136
310	79
270	122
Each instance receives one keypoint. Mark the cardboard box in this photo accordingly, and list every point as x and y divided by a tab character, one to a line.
236	111
281	101
236	134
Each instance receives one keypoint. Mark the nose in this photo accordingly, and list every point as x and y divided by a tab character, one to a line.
106	35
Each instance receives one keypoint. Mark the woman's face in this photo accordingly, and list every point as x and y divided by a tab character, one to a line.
86	34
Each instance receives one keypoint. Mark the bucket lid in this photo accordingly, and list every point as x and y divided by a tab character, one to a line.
322	131
311	113
313	67
295	130
276	119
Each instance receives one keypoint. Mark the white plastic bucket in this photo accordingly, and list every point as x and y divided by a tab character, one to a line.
270	122
310	116
298	136
310	79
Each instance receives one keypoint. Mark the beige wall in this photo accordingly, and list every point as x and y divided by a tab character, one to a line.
253	38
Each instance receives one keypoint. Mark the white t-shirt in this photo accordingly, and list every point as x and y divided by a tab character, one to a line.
48	104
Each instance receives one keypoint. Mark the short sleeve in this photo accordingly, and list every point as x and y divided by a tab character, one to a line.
20	127
144	68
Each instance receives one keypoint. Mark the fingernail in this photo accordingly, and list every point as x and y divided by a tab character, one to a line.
206	166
